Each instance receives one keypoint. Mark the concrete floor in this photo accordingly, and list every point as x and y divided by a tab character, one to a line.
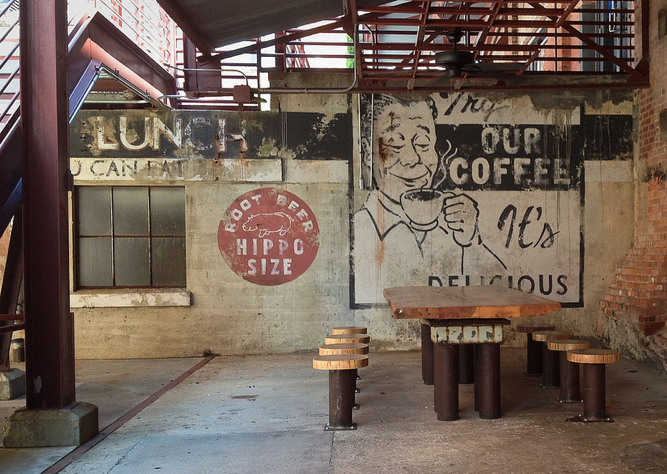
257	414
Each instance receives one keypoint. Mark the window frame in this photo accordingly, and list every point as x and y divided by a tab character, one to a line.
149	237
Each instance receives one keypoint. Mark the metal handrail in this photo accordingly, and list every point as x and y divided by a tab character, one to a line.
5	83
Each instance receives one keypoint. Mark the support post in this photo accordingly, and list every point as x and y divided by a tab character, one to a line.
44	129
49	333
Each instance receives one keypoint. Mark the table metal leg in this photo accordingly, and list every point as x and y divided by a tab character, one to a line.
487	380
466	364
427	355
446	381
476	365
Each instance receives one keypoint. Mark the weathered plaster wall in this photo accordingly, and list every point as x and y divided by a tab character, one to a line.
227	314
230	315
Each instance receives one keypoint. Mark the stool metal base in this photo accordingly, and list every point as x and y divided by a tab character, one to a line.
583	419
329	427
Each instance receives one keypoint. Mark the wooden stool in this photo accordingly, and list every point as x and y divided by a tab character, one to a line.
569	371
346	348
341	387
550	362
344	338
533	348
349	330
594	361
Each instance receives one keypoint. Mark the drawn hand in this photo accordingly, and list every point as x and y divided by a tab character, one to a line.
461	215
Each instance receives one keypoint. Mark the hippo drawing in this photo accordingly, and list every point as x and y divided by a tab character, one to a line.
268	223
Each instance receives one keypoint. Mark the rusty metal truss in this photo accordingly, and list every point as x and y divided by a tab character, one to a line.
503	45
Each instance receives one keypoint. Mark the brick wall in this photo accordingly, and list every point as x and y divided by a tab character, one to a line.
638	293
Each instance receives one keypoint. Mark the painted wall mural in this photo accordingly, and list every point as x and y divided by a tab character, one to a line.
469	191
210	134
269	236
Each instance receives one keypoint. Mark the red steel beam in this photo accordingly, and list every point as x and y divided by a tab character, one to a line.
49	331
420	41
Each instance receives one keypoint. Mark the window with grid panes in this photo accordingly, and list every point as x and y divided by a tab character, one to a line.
130	236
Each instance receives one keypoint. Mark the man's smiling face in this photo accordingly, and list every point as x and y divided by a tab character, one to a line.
406	157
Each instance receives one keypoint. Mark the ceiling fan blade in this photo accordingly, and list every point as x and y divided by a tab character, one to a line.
454	57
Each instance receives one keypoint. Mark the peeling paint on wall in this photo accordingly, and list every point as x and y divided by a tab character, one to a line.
210	134
469	191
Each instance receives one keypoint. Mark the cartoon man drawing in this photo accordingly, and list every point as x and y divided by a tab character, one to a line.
392	246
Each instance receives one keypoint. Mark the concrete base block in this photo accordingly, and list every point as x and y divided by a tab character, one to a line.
12	384
70	426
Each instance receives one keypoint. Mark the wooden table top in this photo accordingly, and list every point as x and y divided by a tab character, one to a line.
465	302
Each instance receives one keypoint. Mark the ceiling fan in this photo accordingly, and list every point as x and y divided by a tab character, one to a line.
457	62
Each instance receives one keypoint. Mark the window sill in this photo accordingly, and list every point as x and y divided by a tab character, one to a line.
128	298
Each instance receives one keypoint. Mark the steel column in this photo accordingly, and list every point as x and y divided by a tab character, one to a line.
44	116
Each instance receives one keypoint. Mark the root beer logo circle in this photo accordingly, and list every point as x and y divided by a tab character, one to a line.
269	236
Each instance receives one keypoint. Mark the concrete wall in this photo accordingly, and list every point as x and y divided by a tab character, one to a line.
222	311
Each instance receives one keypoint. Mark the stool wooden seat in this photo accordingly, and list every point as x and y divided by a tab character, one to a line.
594	356
344	348
344	338
550	359
549	335
342	380
569	371
349	330
533	348
340	361
594	361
